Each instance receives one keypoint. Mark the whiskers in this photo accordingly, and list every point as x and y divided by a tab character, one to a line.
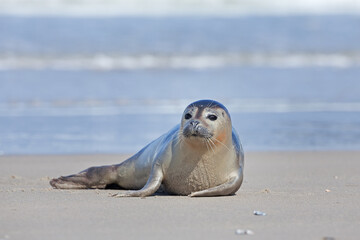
222	144
209	144
209	141
179	138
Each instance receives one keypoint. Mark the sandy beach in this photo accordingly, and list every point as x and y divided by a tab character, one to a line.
305	195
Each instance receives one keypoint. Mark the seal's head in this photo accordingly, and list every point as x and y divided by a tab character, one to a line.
206	121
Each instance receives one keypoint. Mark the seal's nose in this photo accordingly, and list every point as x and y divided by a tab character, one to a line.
193	128
194	123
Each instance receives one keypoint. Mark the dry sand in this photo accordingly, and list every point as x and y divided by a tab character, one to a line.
306	195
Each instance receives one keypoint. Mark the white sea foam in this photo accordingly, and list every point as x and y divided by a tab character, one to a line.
167	106
177	7
103	62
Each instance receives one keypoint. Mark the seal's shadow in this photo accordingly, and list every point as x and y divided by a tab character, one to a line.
113	186
159	192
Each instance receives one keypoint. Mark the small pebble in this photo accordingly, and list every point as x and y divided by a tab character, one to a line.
259	213
327	190
244	232
265	190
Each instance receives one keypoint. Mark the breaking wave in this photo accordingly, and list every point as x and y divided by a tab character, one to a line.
175	7
103	62
164	106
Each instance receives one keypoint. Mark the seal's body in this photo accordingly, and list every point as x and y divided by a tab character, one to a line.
202	156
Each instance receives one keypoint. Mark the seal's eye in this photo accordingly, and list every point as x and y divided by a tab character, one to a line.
212	117
188	116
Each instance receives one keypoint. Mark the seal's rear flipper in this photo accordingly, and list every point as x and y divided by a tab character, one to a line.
94	177
68	182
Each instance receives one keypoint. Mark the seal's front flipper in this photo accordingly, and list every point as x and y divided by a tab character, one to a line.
151	186
227	188
94	177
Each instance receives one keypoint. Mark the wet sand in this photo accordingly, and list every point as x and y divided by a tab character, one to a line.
306	195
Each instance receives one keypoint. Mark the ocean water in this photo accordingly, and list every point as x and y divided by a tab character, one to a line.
112	84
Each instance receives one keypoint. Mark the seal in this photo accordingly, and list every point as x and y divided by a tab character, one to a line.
202	156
